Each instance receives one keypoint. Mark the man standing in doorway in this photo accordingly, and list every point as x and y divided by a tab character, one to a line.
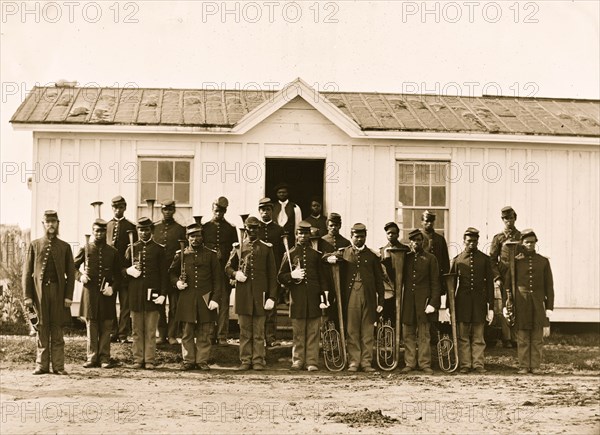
287	214
316	218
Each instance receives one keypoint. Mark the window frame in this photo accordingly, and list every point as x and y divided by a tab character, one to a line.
173	160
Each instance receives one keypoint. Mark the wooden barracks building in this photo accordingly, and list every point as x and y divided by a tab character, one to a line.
372	157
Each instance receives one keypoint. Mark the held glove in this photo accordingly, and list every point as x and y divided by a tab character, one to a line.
429	309
212	305
107	290
133	271
548	313
269	304
379	308
84	279
28	302
68	303
490	316
332	259
181	285
298	273
239	276
505	312
159	300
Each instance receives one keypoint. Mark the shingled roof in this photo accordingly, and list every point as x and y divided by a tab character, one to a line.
209	108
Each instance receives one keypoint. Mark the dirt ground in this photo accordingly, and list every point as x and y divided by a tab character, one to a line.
123	400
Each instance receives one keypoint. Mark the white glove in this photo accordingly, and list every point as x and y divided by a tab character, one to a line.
429	309
332	259
107	291
212	305
548	313
490	317
133	271
181	285
379	309
28	302
159	300
84	278
269	304
239	276
444	315
497	283
322	306
68	303
298	273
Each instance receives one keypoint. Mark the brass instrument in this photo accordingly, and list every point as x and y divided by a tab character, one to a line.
334	341
182	275
96	205
130	234
150	204
510	303
86	255
238	246
286	245
388	337
198	219
447	347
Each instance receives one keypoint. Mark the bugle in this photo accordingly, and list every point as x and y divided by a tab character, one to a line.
510	302
96	205
198	219
388	336
334	341
286	245
150	204
130	234
182	243
447	347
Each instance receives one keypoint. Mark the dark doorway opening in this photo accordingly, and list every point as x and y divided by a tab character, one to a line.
304	176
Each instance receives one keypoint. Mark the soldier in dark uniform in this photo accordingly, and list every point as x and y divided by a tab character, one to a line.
362	296
307	285
333	239
255	293
499	256
435	243
117	236
533	302
270	232
421	297
101	279
285	212
474	301
200	289
168	232
48	283
316	218
219	235
392	232
148	288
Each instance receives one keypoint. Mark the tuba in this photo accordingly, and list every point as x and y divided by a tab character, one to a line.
150	204
334	341
388	337
96	205
447	347
510	302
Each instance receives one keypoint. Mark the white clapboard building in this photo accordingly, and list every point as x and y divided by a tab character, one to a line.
372	157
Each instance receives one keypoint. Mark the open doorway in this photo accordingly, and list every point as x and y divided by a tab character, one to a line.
304	176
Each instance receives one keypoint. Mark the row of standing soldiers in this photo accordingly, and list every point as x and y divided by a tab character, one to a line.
149	271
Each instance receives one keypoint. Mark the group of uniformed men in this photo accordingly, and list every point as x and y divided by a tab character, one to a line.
198	279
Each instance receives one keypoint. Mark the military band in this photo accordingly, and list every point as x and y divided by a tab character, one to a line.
133	263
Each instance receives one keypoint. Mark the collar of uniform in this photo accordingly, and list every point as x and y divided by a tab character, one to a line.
147	241
118	219
267	222
356	248
316	217
510	234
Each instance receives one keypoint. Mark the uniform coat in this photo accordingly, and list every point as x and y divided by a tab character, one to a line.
204	277
220	237
33	276
475	286
259	266
435	244
535	290
367	264
271	233
499	252
168	234
318	222
421	287
117	235
305	297
333	243
103	263
150	258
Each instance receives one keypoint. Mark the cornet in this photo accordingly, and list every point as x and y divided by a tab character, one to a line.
96	205
150	204
388	337
182	275
448	347
198	219
130	234
286	245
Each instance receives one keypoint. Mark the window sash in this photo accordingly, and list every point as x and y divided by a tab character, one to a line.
163	179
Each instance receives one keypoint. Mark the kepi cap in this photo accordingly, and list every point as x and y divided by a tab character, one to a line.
50	215
252	221
414	233
143	222
100	223
391	225
193	228
221	202
118	200
507	211
358	228
303	227
265	202
528	233
335	218
474	232
428	216
281	186
169	203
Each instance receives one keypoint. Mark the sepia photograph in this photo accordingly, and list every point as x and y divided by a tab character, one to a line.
309	216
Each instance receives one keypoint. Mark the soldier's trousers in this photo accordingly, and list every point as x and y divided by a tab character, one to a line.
144	339
50	340
411	340
471	345
223	320
123	323
306	341
360	328
529	347
98	340
252	339
196	342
